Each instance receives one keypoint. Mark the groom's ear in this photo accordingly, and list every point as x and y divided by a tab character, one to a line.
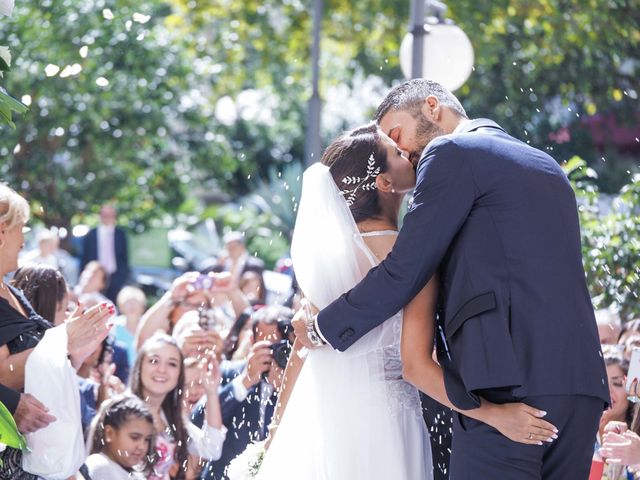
431	109
383	183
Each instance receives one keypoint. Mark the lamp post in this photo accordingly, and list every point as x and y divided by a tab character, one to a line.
436	48
313	141
416	28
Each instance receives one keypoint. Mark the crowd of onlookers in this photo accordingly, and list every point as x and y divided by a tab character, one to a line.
171	387
617	451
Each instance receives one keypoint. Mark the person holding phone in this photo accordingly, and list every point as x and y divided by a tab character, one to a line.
250	390
191	291
619	413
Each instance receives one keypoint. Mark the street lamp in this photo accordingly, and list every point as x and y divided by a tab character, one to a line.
447	54
313	144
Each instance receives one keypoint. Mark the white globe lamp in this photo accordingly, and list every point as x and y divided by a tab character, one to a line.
447	55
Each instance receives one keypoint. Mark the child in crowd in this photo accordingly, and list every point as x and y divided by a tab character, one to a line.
121	443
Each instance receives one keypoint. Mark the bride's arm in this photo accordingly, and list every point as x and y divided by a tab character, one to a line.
290	375
513	420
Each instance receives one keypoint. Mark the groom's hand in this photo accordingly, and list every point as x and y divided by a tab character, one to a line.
303	325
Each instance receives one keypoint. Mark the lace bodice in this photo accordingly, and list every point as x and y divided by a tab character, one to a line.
386	362
401	395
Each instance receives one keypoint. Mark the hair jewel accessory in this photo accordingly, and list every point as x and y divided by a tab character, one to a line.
360	183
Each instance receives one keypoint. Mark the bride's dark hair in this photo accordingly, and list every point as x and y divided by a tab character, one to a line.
355	159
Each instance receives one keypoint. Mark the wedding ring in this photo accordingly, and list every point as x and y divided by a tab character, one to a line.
530	436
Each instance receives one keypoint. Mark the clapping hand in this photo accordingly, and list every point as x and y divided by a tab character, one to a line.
86	330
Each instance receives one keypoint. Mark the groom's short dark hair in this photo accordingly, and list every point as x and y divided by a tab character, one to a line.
411	94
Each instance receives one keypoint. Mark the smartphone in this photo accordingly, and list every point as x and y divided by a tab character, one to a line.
204	282
632	386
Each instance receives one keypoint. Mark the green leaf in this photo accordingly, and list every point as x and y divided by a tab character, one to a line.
9	434
5	116
4	67
12	103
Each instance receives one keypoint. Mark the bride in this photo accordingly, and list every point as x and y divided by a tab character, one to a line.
351	415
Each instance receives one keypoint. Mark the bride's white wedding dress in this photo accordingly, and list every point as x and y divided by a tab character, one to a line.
350	415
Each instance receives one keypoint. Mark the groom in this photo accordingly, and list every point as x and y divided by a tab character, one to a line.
497	220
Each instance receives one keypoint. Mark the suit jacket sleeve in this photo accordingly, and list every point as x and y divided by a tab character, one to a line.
443	197
10	398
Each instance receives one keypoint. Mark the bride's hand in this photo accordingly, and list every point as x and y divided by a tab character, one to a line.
520	422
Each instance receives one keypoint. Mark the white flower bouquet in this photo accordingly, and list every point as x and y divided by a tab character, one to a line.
246	465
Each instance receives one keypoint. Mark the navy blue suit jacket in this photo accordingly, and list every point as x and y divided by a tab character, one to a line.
497	220
242	420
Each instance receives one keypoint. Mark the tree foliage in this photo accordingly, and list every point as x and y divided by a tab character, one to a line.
610	227
105	81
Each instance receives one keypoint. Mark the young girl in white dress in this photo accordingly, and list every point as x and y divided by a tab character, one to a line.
121	441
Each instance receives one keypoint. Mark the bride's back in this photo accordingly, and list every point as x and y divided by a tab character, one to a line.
380	242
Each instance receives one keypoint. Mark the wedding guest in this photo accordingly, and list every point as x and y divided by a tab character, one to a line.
195	370
21	328
238	260
132	303
198	337
238	342
620	410
44	253
189	292
249	392
621	446
121	441
46	290
252	285
609	325
93	281
629	329
107	244
183	296
158	378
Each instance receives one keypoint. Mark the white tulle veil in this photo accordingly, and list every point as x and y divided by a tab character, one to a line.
329	254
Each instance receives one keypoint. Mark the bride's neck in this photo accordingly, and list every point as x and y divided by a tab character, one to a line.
386	220
376	225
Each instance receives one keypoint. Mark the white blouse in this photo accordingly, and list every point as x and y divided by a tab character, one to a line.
102	467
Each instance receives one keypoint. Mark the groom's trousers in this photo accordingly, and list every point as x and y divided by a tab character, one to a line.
480	452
